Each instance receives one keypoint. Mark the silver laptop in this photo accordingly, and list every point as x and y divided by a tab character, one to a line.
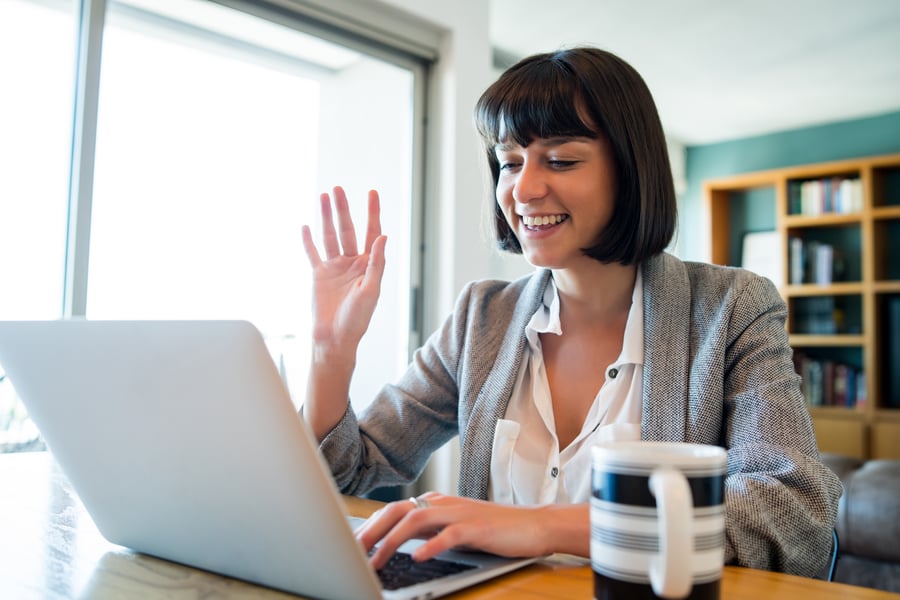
183	443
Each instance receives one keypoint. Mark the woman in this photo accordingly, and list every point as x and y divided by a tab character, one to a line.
609	339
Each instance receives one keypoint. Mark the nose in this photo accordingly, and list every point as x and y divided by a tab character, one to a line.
530	184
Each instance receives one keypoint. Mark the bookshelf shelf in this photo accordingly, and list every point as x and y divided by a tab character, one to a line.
843	299
826	220
836	412
815	341
886	212
833	289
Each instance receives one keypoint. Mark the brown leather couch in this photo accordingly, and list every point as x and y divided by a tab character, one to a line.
868	524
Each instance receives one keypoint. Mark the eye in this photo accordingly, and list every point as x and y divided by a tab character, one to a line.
509	157
561	164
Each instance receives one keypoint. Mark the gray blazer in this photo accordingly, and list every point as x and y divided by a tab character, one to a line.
717	370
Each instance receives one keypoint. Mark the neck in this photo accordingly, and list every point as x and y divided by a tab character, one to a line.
597	293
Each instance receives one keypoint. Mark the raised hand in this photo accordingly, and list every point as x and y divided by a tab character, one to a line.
346	286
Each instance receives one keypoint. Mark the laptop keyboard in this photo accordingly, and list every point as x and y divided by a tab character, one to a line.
402	571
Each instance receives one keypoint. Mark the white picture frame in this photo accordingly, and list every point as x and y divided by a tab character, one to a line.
761	253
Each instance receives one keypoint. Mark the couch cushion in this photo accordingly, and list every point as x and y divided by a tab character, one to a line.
869	514
840	464
868	573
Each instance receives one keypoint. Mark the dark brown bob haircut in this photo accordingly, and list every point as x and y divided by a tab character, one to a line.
588	92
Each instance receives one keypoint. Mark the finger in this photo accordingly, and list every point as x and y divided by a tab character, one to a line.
329	237
312	253
417	523
448	538
375	266
345	223
381	522
373	230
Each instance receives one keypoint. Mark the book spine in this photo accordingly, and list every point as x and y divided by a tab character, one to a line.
824	262
892	364
797	260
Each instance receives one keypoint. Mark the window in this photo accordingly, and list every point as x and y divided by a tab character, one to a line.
215	132
35	146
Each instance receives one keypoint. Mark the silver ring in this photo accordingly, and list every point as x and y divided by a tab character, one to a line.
419	502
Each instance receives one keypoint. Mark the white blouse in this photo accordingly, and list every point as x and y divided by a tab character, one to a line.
527	465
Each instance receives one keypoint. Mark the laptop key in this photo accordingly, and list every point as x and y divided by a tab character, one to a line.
402	571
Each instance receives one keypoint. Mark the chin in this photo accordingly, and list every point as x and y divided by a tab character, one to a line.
542	262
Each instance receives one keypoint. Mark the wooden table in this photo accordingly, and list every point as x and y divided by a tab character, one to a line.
50	549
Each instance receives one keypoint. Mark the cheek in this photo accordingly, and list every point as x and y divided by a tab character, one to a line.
503	195
502	189
503	209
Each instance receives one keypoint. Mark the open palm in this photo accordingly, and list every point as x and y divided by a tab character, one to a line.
346	283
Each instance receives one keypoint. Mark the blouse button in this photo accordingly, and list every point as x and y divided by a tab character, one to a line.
613	373
554	472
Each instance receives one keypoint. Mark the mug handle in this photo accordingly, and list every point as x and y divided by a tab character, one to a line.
671	572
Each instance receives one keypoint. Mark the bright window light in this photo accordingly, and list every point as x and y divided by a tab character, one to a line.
216	132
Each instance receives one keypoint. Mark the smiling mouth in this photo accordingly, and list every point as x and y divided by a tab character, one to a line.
543	221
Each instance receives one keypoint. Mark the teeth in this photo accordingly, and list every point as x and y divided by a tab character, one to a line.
543	220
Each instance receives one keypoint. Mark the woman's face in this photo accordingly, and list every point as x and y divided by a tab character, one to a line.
557	195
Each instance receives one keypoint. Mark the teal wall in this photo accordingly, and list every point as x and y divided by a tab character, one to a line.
834	141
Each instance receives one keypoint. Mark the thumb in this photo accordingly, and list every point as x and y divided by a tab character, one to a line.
375	268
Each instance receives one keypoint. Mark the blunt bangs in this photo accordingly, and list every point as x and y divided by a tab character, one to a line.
539	99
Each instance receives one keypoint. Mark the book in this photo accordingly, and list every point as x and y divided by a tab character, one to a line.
814	382
839	386
797	260
892	347
824	264
828	397
795	206
862	392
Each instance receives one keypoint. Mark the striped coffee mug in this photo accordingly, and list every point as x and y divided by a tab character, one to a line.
657	520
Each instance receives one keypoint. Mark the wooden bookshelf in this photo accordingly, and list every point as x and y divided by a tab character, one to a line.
838	228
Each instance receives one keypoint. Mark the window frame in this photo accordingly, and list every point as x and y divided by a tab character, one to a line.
392	37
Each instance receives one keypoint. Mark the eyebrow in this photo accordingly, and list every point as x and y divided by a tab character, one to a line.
549	142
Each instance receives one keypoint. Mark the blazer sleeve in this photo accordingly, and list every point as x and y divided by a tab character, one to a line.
389	443
781	500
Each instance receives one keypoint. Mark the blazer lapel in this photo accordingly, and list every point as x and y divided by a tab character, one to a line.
667	305
493	396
